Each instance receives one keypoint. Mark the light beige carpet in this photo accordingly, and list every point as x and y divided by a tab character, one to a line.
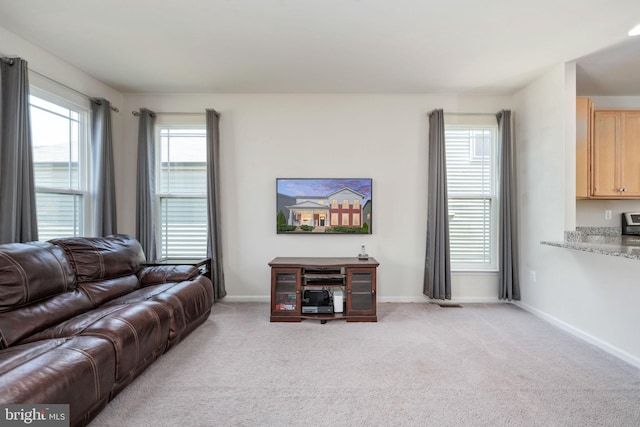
420	365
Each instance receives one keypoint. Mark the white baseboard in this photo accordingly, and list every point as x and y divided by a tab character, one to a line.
603	345
402	299
241	298
478	300
471	300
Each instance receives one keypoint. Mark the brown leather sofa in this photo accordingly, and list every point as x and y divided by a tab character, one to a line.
80	318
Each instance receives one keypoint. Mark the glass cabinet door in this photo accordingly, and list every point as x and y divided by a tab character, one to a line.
361	292
286	294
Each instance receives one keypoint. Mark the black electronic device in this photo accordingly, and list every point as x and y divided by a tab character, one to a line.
321	309
317	301
631	223
316	297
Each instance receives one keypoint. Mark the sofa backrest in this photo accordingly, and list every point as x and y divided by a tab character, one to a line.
37	289
105	266
102	258
30	272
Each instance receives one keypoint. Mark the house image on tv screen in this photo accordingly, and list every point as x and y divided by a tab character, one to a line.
324	206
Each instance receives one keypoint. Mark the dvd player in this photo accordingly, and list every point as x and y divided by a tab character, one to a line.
317	309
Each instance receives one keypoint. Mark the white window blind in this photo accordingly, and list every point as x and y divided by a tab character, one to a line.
182	195
60	146
472	191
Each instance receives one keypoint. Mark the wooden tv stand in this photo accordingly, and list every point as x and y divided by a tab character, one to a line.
291	276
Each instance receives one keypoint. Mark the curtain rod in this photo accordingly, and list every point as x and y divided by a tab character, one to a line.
470	114
68	87
137	113
10	60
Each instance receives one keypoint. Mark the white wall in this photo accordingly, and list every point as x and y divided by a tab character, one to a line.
594	296
590	213
42	63
311	135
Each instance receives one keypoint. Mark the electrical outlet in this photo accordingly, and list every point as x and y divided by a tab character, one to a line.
532	276
607	214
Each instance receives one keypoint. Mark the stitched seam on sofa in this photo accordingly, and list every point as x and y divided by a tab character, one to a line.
145	298
99	254
112	310
204	288
113	344
70	255
23	275
159	329
94	368
115	309
184	314
158	292
80	285
66	284
24	362
135	336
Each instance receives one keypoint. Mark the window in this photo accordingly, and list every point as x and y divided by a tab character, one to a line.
345	219
480	143
334	204
345	204
334	219
182	192
356	219
472	190
59	132
356	204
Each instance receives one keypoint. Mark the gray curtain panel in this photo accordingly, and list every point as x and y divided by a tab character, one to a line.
103	176
437	271
214	237
145	184
509	283
18	222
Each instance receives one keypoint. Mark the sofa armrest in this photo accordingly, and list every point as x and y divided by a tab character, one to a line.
156	274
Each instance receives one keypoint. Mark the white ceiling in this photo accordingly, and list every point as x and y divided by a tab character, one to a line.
614	71
344	46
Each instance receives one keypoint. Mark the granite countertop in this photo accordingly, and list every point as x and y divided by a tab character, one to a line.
600	240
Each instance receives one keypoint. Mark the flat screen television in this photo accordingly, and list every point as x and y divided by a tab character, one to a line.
323	205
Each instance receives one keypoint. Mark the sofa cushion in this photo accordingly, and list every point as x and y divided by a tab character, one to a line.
188	302
136	331
101	258
24	321
13	357
78	371
31	272
102	291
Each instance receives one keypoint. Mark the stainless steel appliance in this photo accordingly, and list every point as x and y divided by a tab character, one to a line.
631	223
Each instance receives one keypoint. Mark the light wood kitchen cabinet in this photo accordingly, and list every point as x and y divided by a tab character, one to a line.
584	115
615	154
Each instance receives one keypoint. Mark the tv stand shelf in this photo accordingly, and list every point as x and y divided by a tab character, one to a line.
291	276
